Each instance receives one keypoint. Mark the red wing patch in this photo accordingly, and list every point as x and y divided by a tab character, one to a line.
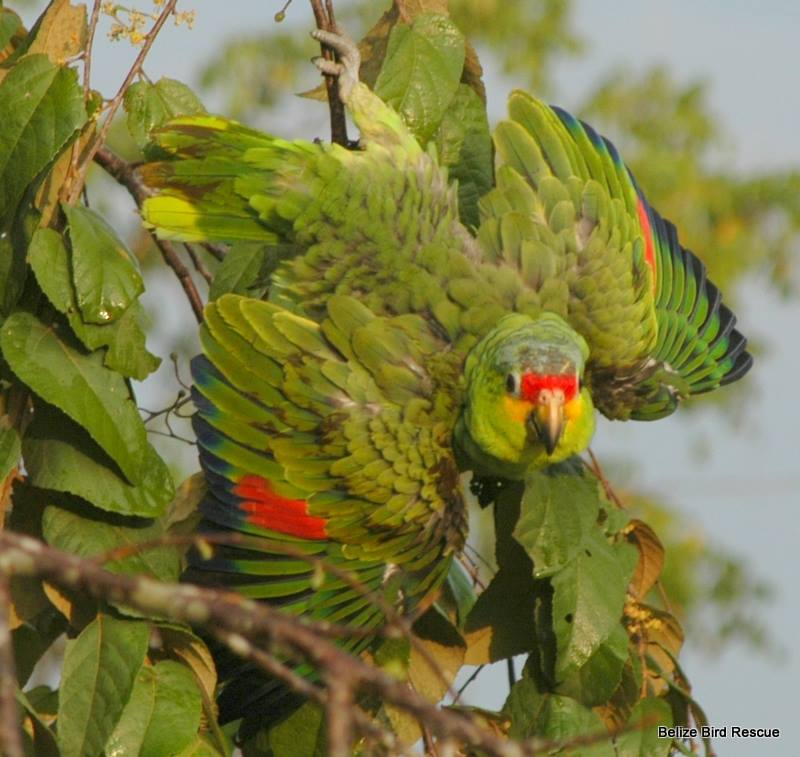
649	247
268	509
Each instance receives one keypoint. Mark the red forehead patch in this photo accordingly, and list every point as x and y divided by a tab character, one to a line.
533	383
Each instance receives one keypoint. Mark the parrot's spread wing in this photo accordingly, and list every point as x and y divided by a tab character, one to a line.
207	169
380	223
569	215
326	437
329	439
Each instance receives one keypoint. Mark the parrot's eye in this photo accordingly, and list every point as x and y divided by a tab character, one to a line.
511	383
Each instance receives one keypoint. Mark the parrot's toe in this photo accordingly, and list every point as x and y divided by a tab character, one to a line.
347	68
330	67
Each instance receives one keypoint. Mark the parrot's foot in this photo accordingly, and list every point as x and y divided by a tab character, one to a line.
348	65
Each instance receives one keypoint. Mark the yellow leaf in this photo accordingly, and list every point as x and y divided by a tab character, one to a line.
62	32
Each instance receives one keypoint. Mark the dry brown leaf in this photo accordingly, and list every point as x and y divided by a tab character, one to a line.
181	644
431	683
651	557
62	33
27	600
657	635
57	181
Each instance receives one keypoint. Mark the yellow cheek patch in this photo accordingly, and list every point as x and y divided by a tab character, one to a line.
574	408
517	410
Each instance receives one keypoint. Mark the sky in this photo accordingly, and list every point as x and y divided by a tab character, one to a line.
745	491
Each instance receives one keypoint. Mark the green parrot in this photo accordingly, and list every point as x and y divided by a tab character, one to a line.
619	315
399	348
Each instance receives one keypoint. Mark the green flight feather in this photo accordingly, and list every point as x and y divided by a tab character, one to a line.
341	450
656	327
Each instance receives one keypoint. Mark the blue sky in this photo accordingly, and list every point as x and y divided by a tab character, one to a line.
745	493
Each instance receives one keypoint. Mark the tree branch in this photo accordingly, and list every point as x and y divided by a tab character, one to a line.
125	174
87	53
10	738
339	711
100	138
232	617
326	21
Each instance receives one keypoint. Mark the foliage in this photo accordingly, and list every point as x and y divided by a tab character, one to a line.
574	586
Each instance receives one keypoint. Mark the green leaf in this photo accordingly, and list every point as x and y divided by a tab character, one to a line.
34	702
126	353
42	107
95	397
10	448
641	739
32	640
181	644
554	718
589	593
562	719
199	748
303	732
421	72
13	272
76	531
105	276
59	455
149	106
464	144
10	26
246	269
162	715
595	682
100	667
125	338
522	706
558	513
502	622
48	257
458	594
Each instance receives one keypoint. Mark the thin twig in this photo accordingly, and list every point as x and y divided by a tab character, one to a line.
100	138
87	53
338	712
197	263
217	250
512	674
469	680
275	668
597	469
172	259
125	174
230	613
10	737
396	624
326	21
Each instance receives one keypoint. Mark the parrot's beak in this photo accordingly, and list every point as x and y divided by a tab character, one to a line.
548	420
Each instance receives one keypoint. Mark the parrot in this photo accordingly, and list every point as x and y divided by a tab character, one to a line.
398	348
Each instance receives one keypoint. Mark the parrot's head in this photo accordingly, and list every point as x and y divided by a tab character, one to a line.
525	400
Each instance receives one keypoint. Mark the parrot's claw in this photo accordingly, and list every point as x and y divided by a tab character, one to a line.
347	68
